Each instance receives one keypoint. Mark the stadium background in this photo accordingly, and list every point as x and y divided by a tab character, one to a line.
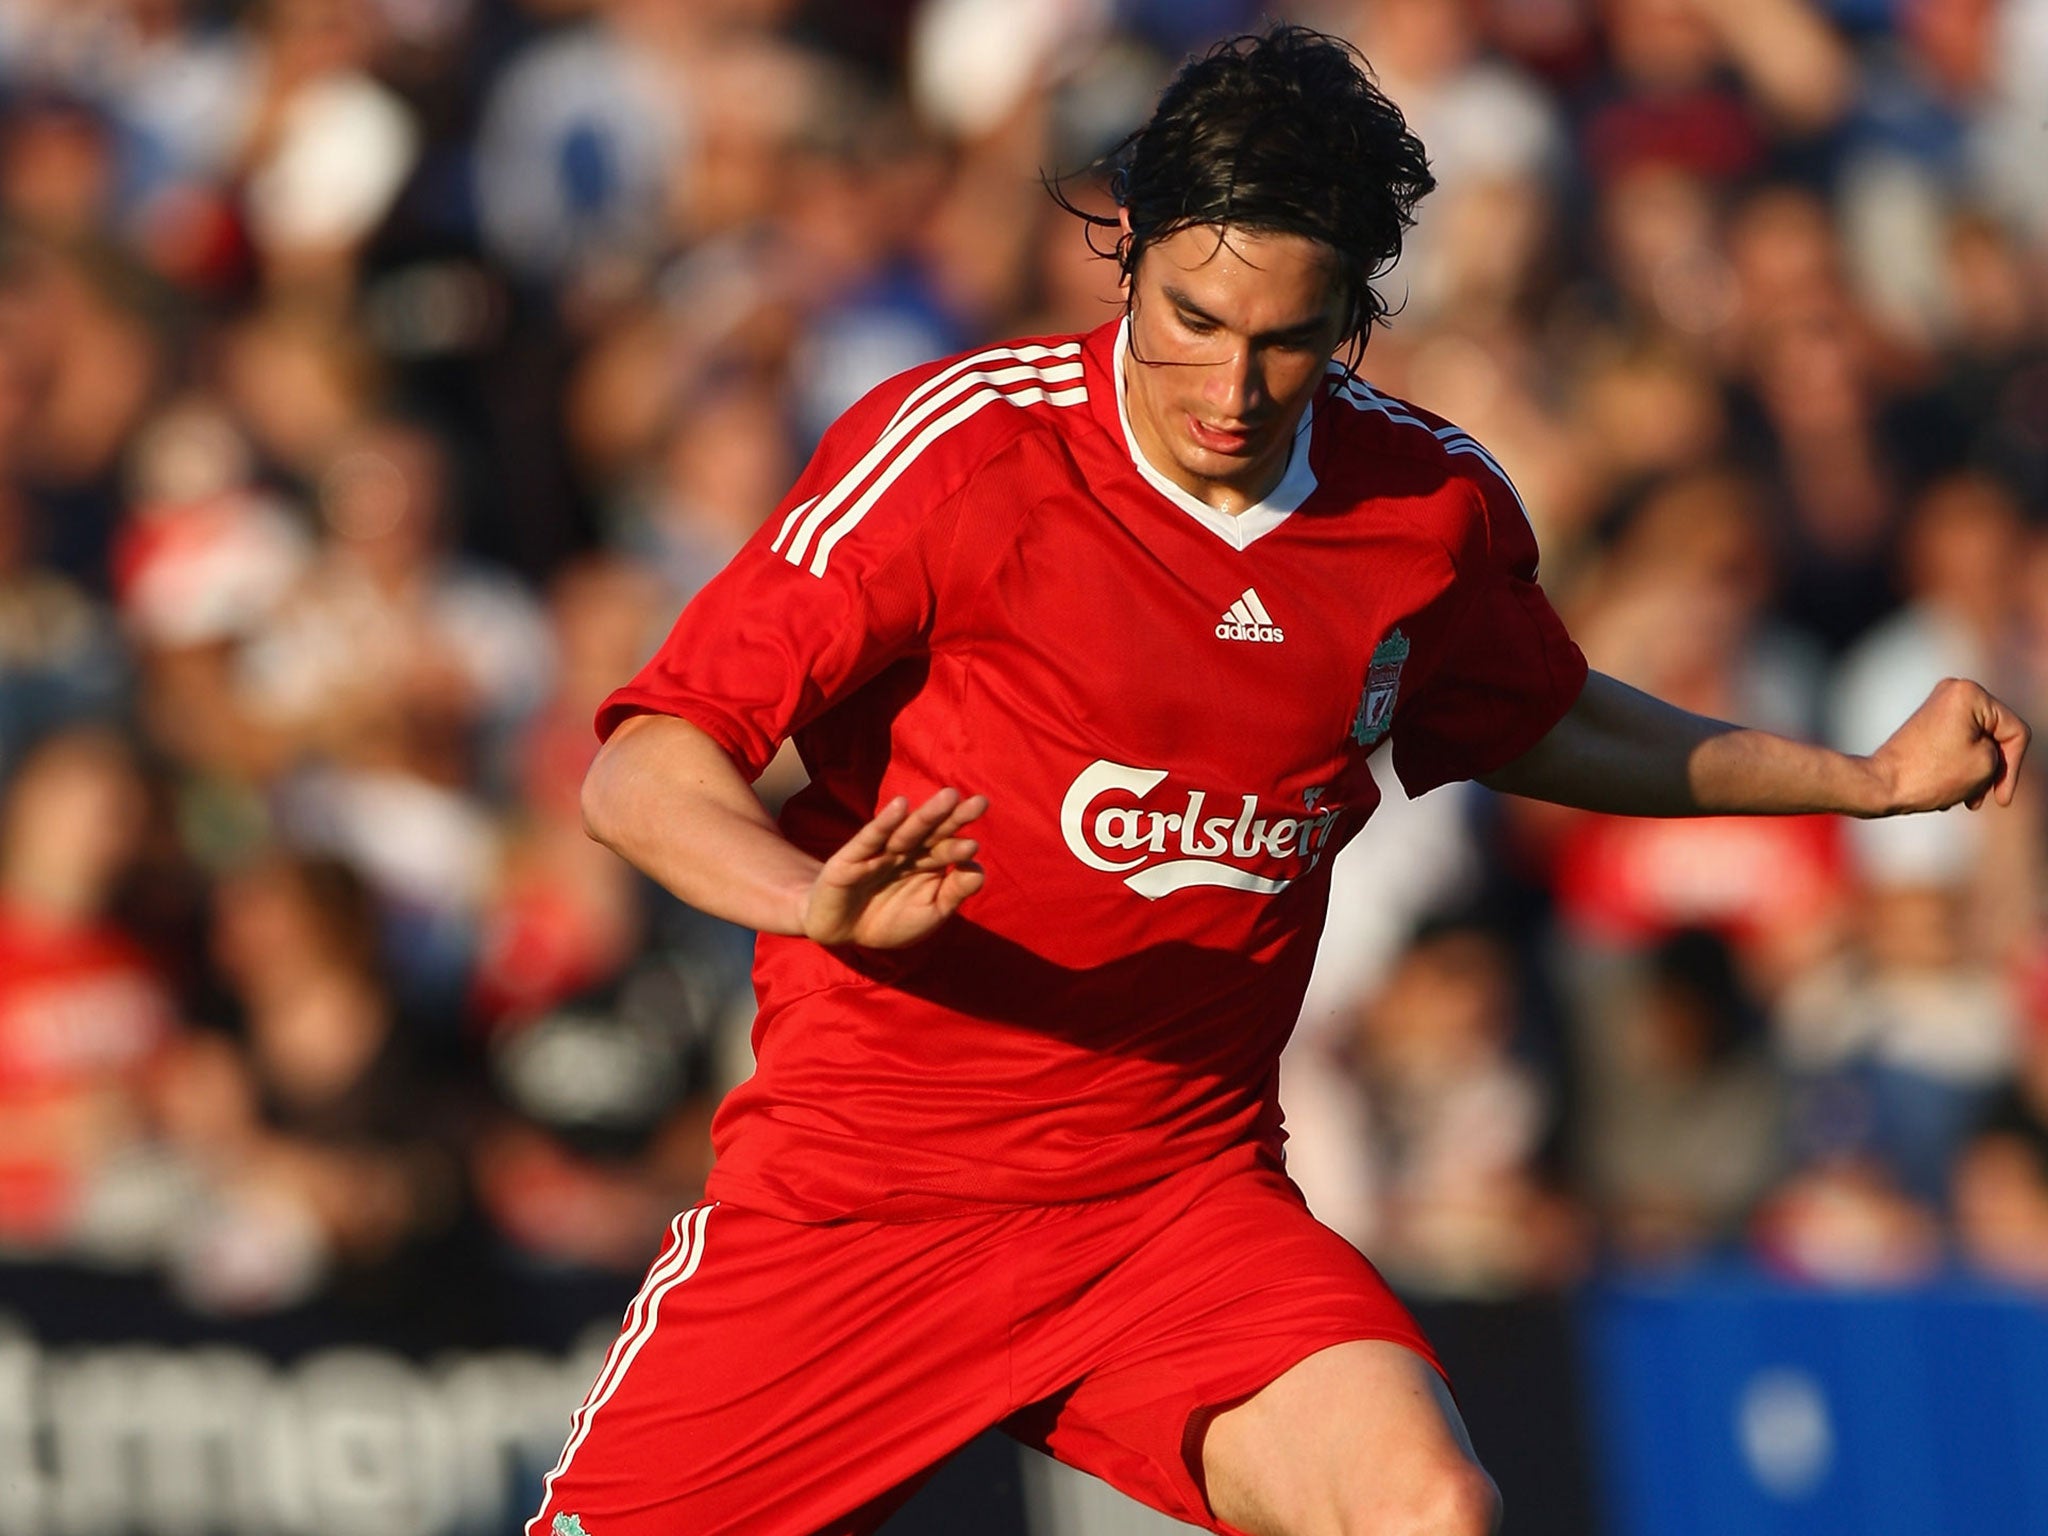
378	376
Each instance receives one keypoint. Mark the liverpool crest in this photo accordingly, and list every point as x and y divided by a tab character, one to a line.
1382	687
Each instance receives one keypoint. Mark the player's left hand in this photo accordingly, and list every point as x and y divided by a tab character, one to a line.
899	877
1955	749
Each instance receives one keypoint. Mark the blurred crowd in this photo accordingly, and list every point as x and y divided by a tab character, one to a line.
377	377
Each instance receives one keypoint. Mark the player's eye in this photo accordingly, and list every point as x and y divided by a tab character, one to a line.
1198	326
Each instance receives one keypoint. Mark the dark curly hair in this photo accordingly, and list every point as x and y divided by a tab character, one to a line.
1282	132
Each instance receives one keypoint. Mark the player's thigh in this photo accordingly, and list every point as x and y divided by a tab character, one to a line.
1214	1299
778	1378
1361	1437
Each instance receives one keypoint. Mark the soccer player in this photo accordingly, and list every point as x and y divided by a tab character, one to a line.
1134	608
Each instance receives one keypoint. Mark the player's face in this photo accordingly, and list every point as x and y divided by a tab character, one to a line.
1230	332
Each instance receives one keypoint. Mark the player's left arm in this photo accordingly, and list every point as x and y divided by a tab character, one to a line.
1621	751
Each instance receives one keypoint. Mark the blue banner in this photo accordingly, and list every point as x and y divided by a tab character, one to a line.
1733	1405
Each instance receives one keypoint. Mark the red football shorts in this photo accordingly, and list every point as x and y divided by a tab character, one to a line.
778	1378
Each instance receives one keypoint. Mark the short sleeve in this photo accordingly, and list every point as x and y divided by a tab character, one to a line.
1510	671
837	584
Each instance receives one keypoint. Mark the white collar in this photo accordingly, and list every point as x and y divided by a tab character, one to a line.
1255	521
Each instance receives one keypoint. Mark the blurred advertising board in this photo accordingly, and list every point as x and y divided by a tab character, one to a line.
1730	1404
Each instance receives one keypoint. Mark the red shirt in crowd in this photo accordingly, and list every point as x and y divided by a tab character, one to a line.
978	582
83	1015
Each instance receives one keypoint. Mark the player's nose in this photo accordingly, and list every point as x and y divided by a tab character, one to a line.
1232	387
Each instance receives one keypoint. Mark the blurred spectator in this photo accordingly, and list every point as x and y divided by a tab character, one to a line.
1680	606
1894	1046
399	674
718	471
1812	414
1702	84
1942	113
870	300
1682	1131
1909	155
1845	1222
60	658
392	647
565	914
2001	1178
1984	410
204	554
1455	1127
201	564
2006	136
83	362
1645	412
1496	143
85	1018
1071	287
975	64
1422	857
324	1162
327	149
300	384
57	170
578	153
603	1125
2029	654
1658	245
175	94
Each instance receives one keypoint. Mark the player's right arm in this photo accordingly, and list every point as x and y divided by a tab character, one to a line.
1607	747
1625	753
666	797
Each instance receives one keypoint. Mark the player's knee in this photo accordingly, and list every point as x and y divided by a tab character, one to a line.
1458	1499
1461	1501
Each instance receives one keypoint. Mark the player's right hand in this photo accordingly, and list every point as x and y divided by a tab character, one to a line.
899	877
1958	747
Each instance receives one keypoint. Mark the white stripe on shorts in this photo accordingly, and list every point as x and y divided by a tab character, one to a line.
686	1234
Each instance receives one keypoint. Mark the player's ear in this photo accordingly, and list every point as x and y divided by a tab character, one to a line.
1128	268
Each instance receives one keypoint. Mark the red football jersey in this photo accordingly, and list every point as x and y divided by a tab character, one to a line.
978	582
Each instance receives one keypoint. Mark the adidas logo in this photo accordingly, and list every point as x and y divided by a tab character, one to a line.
1247	619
